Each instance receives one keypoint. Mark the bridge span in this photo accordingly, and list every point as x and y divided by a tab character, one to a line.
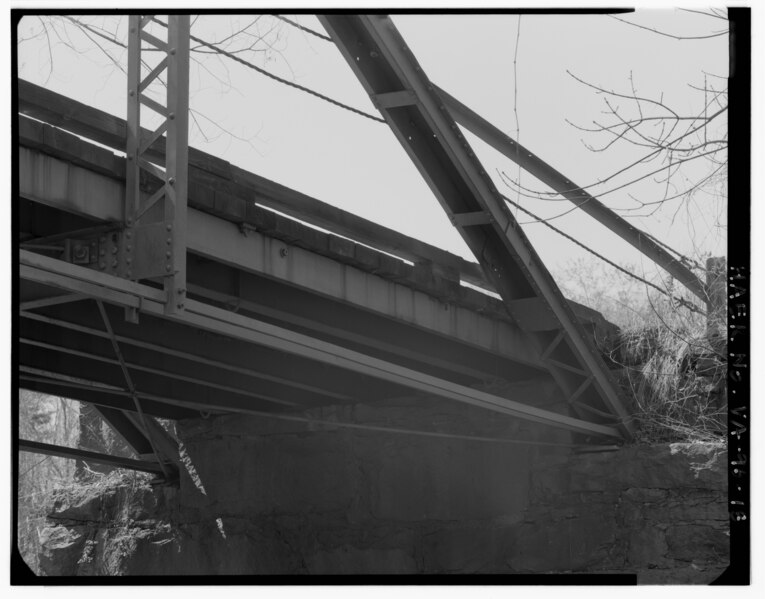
290	303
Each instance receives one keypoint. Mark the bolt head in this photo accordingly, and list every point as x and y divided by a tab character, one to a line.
172	51
114	263
131	93
101	265
169	241
168	254
171	180
169	227
167	267
172	116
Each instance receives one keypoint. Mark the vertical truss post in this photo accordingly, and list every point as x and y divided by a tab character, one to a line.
177	156
154	241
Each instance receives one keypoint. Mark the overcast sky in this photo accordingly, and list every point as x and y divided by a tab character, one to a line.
357	164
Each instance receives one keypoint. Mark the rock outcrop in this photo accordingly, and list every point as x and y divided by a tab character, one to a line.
659	511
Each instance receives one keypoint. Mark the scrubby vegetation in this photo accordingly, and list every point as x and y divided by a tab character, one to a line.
58	421
669	359
50	420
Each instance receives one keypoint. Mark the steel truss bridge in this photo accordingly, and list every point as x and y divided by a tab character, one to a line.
159	282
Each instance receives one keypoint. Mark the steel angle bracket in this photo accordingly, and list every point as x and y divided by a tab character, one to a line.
386	67
153	244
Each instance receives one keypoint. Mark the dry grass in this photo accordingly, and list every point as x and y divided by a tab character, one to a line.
679	390
669	367
675	375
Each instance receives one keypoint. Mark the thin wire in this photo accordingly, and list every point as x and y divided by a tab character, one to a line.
95	31
682	257
306	29
276	78
35	465
681	301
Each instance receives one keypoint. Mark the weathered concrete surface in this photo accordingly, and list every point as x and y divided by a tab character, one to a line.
350	501
274	497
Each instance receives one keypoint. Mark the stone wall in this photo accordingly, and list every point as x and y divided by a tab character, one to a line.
658	511
263	496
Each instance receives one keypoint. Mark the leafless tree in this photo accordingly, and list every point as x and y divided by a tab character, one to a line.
257	39
668	139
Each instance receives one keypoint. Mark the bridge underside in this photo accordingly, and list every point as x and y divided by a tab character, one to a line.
279	317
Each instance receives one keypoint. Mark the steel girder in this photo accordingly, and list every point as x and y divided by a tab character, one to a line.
72	278
421	121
